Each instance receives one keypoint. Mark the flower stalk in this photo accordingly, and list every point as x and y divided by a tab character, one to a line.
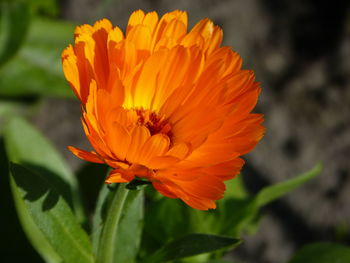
107	245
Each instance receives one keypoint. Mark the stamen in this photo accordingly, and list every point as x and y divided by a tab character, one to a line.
154	123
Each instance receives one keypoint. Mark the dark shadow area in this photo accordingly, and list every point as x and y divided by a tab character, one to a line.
314	30
34	186
343	177
91	177
53	182
14	246
291	147
314	27
27	100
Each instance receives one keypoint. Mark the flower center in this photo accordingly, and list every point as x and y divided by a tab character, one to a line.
154	123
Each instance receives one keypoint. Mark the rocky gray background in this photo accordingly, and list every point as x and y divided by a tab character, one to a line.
300	51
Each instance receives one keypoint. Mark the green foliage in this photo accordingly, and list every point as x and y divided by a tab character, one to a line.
99	216
8	109
45	7
129	228
51	215
36	69
241	214
14	23
12	237
46	192
37	157
26	146
322	253
33	232
236	213
273	192
131	224
190	245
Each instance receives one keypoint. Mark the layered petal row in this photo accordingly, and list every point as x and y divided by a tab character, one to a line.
163	104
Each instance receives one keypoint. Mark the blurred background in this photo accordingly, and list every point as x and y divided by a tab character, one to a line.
300	52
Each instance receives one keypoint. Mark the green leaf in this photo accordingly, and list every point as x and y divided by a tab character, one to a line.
184	220
8	110
273	192
14	23
37	69
235	189
322	253
34	234
190	245
99	216
51	215
237	215
236	212
47	7
111	224
157	213
26	146
130	226
13	238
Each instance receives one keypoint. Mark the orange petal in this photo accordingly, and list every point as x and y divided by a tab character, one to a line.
163	189
162	162
171	189
70	70
88	47
118	140
114	37
94	138
200	203
215	40
179	150
101	62
83	29
116	87
141	36
151	20
225	171
205	186
171	34
84	155
163	104
147	82
156	145
199	33
139	135
104	24
136	18
91	102
85	70
170	75
119	176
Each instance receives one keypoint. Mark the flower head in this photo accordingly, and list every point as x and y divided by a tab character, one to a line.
164	104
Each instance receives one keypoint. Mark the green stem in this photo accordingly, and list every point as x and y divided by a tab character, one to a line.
108	239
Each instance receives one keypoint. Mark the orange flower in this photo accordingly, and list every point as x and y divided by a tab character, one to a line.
164	104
